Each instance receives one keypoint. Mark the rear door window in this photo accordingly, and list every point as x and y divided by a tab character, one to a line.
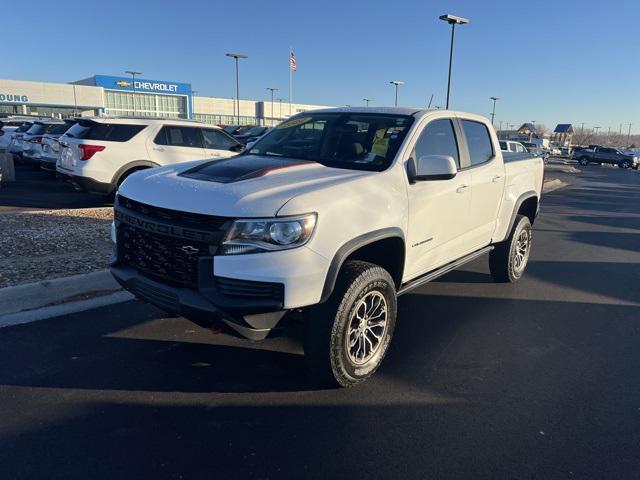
217	140
478	142
176	136
108	132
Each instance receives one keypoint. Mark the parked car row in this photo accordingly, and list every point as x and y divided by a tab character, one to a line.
96	154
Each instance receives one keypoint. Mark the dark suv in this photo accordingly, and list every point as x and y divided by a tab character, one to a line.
597	154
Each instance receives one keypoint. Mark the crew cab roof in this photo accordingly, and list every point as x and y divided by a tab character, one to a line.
379	110
414	112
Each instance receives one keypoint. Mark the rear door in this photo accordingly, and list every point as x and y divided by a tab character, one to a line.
487	181
218	144
177	143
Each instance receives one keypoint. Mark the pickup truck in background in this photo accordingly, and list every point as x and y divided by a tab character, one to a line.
598	154
511	146
326	220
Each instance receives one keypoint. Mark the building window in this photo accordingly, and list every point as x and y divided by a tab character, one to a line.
212	119
146	104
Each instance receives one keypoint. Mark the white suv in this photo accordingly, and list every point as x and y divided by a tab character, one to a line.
98	153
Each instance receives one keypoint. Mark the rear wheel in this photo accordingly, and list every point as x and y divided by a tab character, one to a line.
347	337
583	161
508	260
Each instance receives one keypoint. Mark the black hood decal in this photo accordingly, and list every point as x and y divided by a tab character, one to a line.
242	167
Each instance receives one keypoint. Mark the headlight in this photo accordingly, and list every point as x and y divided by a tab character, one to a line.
256	235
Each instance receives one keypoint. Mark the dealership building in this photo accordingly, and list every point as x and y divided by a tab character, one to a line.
121	96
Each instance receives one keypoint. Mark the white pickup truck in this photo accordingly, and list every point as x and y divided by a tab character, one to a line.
326	220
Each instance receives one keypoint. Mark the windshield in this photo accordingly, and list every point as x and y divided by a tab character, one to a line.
24	127
358	141
37	129
60	129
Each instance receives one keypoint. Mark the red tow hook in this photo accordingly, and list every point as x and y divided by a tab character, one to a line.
215	329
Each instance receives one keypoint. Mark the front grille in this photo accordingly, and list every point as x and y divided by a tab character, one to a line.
168	255
168	259
232	287
165	214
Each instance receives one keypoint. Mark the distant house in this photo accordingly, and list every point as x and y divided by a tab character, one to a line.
528	129
563	134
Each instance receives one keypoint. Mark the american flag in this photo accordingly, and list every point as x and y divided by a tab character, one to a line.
292	62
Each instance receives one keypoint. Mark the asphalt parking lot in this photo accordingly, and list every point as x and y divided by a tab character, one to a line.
533	380
37	189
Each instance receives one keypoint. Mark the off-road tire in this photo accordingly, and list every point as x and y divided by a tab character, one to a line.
326	330
503	264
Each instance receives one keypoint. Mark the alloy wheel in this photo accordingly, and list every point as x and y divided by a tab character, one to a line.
367	327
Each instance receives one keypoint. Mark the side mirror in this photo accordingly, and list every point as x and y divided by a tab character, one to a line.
238	148
435	167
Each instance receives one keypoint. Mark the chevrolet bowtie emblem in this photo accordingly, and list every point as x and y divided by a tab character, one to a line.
189	250
123	83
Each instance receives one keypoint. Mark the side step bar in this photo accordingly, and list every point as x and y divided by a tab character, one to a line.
427	277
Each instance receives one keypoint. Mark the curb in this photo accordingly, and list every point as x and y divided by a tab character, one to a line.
48	298
43	313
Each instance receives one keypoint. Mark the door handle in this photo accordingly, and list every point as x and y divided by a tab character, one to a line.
462	188
158	149
496	178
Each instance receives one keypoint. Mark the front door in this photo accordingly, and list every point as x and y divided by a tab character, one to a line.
438	209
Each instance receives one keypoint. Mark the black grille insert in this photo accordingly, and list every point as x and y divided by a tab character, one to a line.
169	259
232	287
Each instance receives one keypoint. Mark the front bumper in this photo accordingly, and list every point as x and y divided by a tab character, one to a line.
252	318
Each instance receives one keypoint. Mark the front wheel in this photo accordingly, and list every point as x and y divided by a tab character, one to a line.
347	337
508	260
625	164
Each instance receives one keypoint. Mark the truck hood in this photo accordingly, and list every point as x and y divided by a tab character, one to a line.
242	186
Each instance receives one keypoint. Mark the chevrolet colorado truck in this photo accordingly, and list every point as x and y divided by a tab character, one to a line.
326	220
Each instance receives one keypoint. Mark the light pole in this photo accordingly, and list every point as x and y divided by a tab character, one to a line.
493	113
237	56
367	100
193	96
272	89
595	134
397	83
133	74
453	21
280	100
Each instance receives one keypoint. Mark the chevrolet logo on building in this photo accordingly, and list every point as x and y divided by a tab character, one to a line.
123	83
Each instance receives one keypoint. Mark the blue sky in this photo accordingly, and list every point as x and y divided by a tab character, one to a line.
550	61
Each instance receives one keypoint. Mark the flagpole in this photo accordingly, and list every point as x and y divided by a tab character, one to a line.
290	80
